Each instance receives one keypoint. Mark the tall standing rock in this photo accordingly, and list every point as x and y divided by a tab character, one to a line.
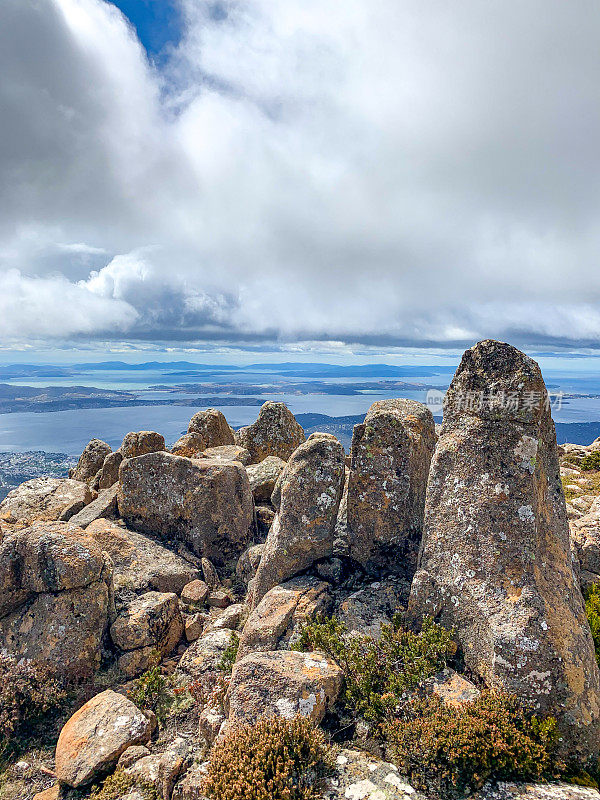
391	454
276	432
303	531
496	559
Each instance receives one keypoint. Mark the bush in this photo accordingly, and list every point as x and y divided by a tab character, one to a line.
117	786
275	759
378	671
591	461
448	750
151	692
229	656
592	610
28	691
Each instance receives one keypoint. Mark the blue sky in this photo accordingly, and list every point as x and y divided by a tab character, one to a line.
157	22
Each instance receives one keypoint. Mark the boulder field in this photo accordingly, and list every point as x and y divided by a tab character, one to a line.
202	571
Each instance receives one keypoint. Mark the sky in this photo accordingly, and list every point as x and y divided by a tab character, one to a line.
356	176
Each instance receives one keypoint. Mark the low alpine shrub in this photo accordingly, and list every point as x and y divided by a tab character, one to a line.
151	692
378	671
591	461
275	759
448	750
119	784
229	656
28	691
592	610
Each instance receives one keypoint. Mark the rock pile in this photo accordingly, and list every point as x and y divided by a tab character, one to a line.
204	568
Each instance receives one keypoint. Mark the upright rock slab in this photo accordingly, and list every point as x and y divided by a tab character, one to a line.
496	559
204	503
275	433
303	531
391	453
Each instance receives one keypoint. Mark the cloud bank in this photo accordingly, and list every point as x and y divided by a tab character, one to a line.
367	171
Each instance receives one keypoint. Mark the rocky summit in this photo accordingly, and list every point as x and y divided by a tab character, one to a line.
257	614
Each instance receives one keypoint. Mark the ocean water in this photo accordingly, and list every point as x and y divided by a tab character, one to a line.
69	431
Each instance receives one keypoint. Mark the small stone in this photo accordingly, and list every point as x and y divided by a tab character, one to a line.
195	593
219	599
194	625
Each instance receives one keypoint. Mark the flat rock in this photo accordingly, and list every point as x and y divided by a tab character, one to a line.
96	735
535	791
276	432
228	452
103	507
283	683
275	622
205	503
140	563
359	776
45	499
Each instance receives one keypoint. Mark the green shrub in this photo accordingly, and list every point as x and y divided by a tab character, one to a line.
229	656
592	610
119	784
447	750
151	692
274	759
28	691
590	462
378	671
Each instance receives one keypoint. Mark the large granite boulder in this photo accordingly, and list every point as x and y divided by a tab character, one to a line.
149	626
212	427
45	499
138	443
283	683
496	558
96	735
204	503
91	460
303	531
390	457
139	563
275	433
55	596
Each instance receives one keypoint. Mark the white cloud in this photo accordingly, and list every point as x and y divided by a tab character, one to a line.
35	308
359	171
